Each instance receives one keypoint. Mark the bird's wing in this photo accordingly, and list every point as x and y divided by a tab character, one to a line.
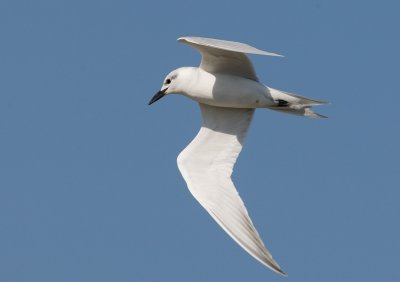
206	165
221	56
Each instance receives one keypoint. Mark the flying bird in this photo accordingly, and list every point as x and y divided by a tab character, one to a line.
228	91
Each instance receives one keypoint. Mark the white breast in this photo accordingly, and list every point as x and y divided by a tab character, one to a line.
224	90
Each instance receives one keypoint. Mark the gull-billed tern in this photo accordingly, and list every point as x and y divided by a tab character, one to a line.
228	91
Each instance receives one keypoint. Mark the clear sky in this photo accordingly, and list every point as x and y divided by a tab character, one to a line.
89	187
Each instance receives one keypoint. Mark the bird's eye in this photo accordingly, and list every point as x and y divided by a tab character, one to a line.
168	81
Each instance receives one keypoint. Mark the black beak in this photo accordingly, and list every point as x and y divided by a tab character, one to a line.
158	96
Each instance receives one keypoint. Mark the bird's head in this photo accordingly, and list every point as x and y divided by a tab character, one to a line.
174	82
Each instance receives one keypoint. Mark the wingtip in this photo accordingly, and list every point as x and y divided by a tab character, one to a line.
273	54
278	270
283	273
269	54
277	55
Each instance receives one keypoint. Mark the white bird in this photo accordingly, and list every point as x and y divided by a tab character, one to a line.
228	91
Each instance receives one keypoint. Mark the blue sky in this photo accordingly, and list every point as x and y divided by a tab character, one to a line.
89	188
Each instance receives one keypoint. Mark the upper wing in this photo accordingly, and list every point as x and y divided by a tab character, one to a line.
206	165
221	56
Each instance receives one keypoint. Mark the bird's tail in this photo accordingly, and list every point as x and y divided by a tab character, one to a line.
294	104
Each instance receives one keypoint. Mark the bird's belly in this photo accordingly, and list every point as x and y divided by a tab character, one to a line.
230	91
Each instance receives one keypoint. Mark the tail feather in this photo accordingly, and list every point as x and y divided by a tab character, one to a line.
295	104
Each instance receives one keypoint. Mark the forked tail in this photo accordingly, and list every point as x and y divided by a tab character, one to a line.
294	104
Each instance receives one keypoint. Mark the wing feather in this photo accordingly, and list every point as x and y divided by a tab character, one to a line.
206	165
222	56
